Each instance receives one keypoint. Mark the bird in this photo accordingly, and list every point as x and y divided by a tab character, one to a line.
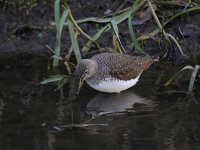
112	72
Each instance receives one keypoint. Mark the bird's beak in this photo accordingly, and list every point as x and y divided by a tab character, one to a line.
82	78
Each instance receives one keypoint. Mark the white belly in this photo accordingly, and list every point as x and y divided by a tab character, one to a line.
114	86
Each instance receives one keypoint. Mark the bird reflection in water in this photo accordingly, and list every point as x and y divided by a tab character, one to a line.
105	103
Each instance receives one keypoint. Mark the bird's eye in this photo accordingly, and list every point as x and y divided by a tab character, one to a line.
86	71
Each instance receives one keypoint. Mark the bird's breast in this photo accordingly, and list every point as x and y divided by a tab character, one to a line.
112	85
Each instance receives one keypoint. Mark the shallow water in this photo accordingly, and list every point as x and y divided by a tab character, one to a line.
145	117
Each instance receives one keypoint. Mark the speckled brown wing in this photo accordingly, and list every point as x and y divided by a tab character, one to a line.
124	67
132	68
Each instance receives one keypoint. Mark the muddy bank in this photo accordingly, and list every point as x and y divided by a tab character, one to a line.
24	34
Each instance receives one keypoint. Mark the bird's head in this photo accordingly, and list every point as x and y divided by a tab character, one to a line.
85	69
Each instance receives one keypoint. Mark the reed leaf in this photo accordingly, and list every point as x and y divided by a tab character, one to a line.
182	13
74	41
62	21
67	66
193	77
54	78
133	37
157	20
177	3
177	44
116	31
135	7
117	19
115	43
57	57
95	20
157	30
57	19
148	35
176	74
59	26
62	82
57	12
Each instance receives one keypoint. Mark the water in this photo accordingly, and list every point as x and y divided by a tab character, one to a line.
146	117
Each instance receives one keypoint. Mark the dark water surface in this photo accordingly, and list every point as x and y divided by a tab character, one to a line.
145	117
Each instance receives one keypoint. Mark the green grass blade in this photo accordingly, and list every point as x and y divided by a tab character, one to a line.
57	12
177	44
123	16
95	19
116	31
156	31
57	57
149	35
118	19
74	41
157	20
133	37
67	67
57	52
192	79
176	74
53	79
62	82
62	21
185	3
182	13
59	26
57	19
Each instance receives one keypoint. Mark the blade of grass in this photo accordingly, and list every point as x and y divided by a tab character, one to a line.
118	19
67	57
74	41
135	7
62	82
175	41
67	66
57	12
177	3
95	20
116	31
133	37
57	19
62	21
57	57
157	20
176	74
53	79
115	43
78	27
157	30
149	35
193	77
182	13
120	7
59	26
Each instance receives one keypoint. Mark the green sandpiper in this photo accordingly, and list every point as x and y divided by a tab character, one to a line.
112	72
